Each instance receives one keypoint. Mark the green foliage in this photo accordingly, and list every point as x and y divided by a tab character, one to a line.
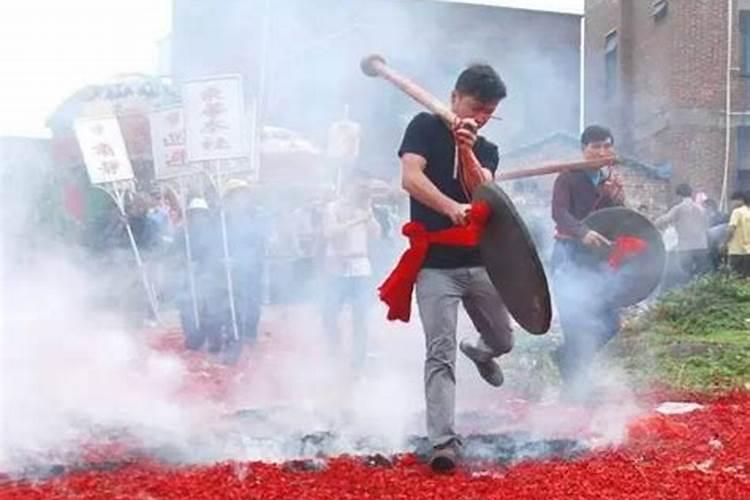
716	302
697	337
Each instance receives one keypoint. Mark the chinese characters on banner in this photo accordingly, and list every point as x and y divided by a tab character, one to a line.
215	119
168	143
103	149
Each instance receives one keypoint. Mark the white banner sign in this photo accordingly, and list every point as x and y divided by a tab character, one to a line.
343	140
215	119
168	143
103	149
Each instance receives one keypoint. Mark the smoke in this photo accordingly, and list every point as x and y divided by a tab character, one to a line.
302	60
72	371
72	374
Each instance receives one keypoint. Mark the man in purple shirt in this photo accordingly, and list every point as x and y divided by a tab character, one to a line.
587	321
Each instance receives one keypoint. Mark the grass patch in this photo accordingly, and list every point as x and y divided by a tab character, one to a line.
695	338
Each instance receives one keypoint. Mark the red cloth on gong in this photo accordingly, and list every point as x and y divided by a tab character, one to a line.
624	248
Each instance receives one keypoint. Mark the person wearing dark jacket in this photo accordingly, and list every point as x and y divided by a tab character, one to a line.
204	234
247	234
587	321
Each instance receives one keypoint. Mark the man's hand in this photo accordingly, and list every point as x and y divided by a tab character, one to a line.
595	240
458	213
613	187
465	132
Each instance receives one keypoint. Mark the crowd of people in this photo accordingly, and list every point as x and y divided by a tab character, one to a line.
707	239
219	274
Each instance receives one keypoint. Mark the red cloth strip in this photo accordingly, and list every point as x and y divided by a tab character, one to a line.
624	248
396	290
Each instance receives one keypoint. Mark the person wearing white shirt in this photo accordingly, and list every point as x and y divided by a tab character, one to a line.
690	222
348	225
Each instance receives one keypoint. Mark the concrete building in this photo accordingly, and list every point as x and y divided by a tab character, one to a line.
657	72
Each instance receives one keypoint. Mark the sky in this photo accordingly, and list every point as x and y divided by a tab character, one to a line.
51	48
568	6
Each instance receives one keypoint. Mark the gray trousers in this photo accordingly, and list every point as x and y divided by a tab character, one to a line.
439	292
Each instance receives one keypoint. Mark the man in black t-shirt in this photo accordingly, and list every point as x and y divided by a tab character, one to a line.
450	274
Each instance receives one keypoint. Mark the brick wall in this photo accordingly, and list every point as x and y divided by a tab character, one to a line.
670	101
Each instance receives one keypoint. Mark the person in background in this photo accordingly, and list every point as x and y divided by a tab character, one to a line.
208	274
700	199
718	224
348	225
715	216
690	221
738	235
247	235
588	321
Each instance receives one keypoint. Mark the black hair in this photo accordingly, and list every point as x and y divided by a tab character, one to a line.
742	196
482	82
684	190
596	133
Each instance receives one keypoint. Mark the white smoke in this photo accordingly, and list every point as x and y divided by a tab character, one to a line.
72	372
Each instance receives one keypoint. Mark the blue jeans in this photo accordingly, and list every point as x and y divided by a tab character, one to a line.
356	291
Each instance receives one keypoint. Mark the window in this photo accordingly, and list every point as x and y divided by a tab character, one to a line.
745	34
610	63
659	9
743	158
743	148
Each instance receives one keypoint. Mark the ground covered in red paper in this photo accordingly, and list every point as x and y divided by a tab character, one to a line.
703	454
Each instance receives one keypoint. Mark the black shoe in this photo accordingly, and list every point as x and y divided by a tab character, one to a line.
488	368
444	458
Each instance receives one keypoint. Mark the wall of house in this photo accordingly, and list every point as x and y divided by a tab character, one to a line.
670	99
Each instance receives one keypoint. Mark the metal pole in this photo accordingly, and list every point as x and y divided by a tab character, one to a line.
188	252
265	43
227	258
723	200
118	196
582	78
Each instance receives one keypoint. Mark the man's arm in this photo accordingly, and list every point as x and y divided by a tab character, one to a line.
734	220
474	171
332	228
566	221
614	191
667	219
420	187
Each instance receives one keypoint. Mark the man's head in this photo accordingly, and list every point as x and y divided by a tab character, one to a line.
597	142
684	191
739	198
238	195
478	91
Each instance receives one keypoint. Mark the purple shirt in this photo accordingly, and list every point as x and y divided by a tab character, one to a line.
575	196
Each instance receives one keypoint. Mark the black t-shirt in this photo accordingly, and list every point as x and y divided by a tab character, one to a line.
429	137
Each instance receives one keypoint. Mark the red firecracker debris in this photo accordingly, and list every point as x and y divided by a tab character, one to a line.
698	455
